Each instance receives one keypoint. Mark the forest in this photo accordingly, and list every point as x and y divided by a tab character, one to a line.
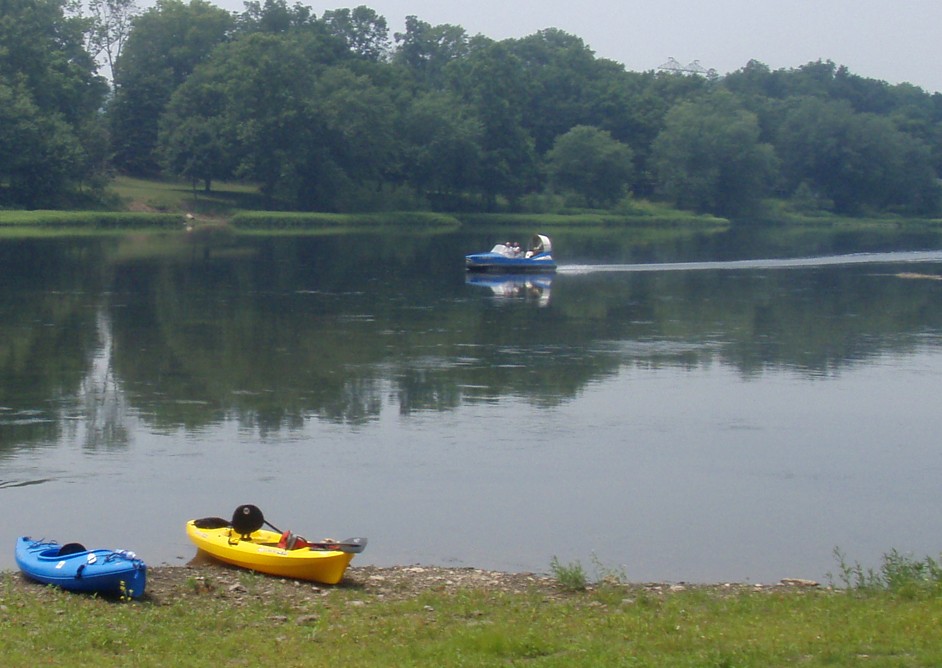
334	113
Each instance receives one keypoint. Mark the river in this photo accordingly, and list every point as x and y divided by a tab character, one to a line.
699	407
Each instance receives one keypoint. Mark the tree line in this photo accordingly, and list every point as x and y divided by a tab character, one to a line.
334	113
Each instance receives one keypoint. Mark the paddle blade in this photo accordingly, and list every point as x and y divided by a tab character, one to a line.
351	545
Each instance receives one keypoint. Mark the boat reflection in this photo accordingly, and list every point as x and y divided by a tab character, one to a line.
530	287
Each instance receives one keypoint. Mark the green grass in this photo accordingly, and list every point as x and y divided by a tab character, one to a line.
607	625
294	221
884	617
663	218
101	220
134	203
174	196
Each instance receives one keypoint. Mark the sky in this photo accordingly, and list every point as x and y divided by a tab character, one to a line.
892	41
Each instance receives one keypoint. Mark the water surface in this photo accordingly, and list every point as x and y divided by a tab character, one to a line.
707	407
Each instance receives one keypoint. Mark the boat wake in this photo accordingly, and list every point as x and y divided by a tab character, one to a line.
4	484
899	257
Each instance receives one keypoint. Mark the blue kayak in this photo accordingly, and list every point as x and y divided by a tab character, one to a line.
509	257
72	567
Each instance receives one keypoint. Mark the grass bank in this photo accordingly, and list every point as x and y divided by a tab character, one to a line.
461	617
225	198
95	220
641	214
136	203
268	221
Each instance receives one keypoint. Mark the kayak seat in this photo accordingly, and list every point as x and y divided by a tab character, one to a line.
246	520
292	541
71	548
211	523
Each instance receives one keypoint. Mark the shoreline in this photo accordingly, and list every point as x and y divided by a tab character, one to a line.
166	584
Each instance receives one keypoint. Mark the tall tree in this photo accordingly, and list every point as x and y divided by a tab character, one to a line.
195	141
39	152
589	162
493	83
283	110
358	118
633	108
709	158
362	29
109	26
268	83
561	72
426	50
168	41
275	16
857	161
43	47
442	150
50	94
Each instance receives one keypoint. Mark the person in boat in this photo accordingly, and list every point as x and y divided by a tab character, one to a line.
509	249
535	249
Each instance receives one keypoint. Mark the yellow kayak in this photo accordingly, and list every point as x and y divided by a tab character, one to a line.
267	552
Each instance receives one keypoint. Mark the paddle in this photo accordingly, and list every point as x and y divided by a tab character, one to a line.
351	545
247	519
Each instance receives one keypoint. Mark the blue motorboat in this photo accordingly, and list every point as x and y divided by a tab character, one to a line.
72	567
509	257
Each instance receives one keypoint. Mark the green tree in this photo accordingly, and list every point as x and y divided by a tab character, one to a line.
709	158
493	83
39	152
426	50
195	141
275	16
757	80
50	94
920	116
442	150
355	147
857	161
562	71
633	108
267	81
362	29
109	26
285	111
589	162
168	41
45	49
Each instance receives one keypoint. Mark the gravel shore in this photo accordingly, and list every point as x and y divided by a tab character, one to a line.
167	584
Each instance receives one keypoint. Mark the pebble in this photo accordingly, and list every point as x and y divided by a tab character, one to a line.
798	582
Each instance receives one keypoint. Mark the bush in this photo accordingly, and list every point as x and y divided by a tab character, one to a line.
570	576
899	573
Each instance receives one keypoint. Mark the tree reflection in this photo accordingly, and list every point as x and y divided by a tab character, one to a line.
101	400
272	333
47	331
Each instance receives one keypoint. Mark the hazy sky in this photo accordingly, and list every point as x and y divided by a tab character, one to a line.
893	41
